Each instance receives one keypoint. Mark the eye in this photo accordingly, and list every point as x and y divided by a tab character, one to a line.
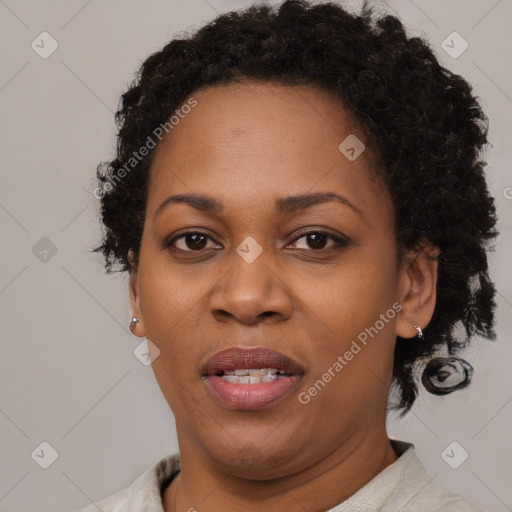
193	241
318	239
196	241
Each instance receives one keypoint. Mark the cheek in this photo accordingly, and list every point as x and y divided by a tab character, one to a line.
170	305
354	294
168	293
353	319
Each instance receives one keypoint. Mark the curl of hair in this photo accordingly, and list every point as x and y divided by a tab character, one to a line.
443	375
421	120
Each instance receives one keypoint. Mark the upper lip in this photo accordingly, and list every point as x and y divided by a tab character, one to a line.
246	358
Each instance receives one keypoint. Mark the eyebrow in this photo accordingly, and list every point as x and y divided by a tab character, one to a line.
284	205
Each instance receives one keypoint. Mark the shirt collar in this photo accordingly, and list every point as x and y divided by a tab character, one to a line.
145	494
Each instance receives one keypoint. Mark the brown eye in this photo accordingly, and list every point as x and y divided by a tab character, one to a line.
196	241
317	240
190	242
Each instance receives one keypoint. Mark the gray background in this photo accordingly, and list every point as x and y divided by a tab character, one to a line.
68	375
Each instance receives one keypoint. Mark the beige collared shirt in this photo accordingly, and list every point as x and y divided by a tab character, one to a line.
403	486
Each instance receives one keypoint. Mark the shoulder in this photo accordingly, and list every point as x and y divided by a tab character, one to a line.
434	498
416	491
144	493
112	503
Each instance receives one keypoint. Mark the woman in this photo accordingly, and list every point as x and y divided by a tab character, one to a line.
298	198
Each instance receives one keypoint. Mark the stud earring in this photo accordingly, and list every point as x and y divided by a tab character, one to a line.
418	329
133	323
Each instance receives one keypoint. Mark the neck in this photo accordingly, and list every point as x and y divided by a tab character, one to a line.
329	482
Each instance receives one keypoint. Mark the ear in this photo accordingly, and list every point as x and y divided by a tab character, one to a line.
135	298
418	282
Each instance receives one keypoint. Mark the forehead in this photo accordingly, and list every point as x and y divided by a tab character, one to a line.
272	115
252	140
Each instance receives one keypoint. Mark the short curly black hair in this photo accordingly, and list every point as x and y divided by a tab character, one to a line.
421	120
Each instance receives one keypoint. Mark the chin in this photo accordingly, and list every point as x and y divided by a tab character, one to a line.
255	460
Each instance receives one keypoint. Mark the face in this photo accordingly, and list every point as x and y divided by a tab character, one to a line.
251	268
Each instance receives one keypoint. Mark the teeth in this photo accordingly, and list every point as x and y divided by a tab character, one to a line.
258	373
253	376
231	378
254	372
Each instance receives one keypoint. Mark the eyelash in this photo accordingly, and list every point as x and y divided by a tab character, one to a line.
338	242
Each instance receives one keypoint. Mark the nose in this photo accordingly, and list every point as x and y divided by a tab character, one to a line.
251	293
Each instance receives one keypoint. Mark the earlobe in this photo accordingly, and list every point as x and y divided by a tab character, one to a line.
136	322
418	283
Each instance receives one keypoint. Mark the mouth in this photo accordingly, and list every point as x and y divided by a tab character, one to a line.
253	375
250	378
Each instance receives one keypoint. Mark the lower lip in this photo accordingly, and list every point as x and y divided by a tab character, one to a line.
250	396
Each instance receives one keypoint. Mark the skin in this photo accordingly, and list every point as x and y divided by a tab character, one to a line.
247	145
